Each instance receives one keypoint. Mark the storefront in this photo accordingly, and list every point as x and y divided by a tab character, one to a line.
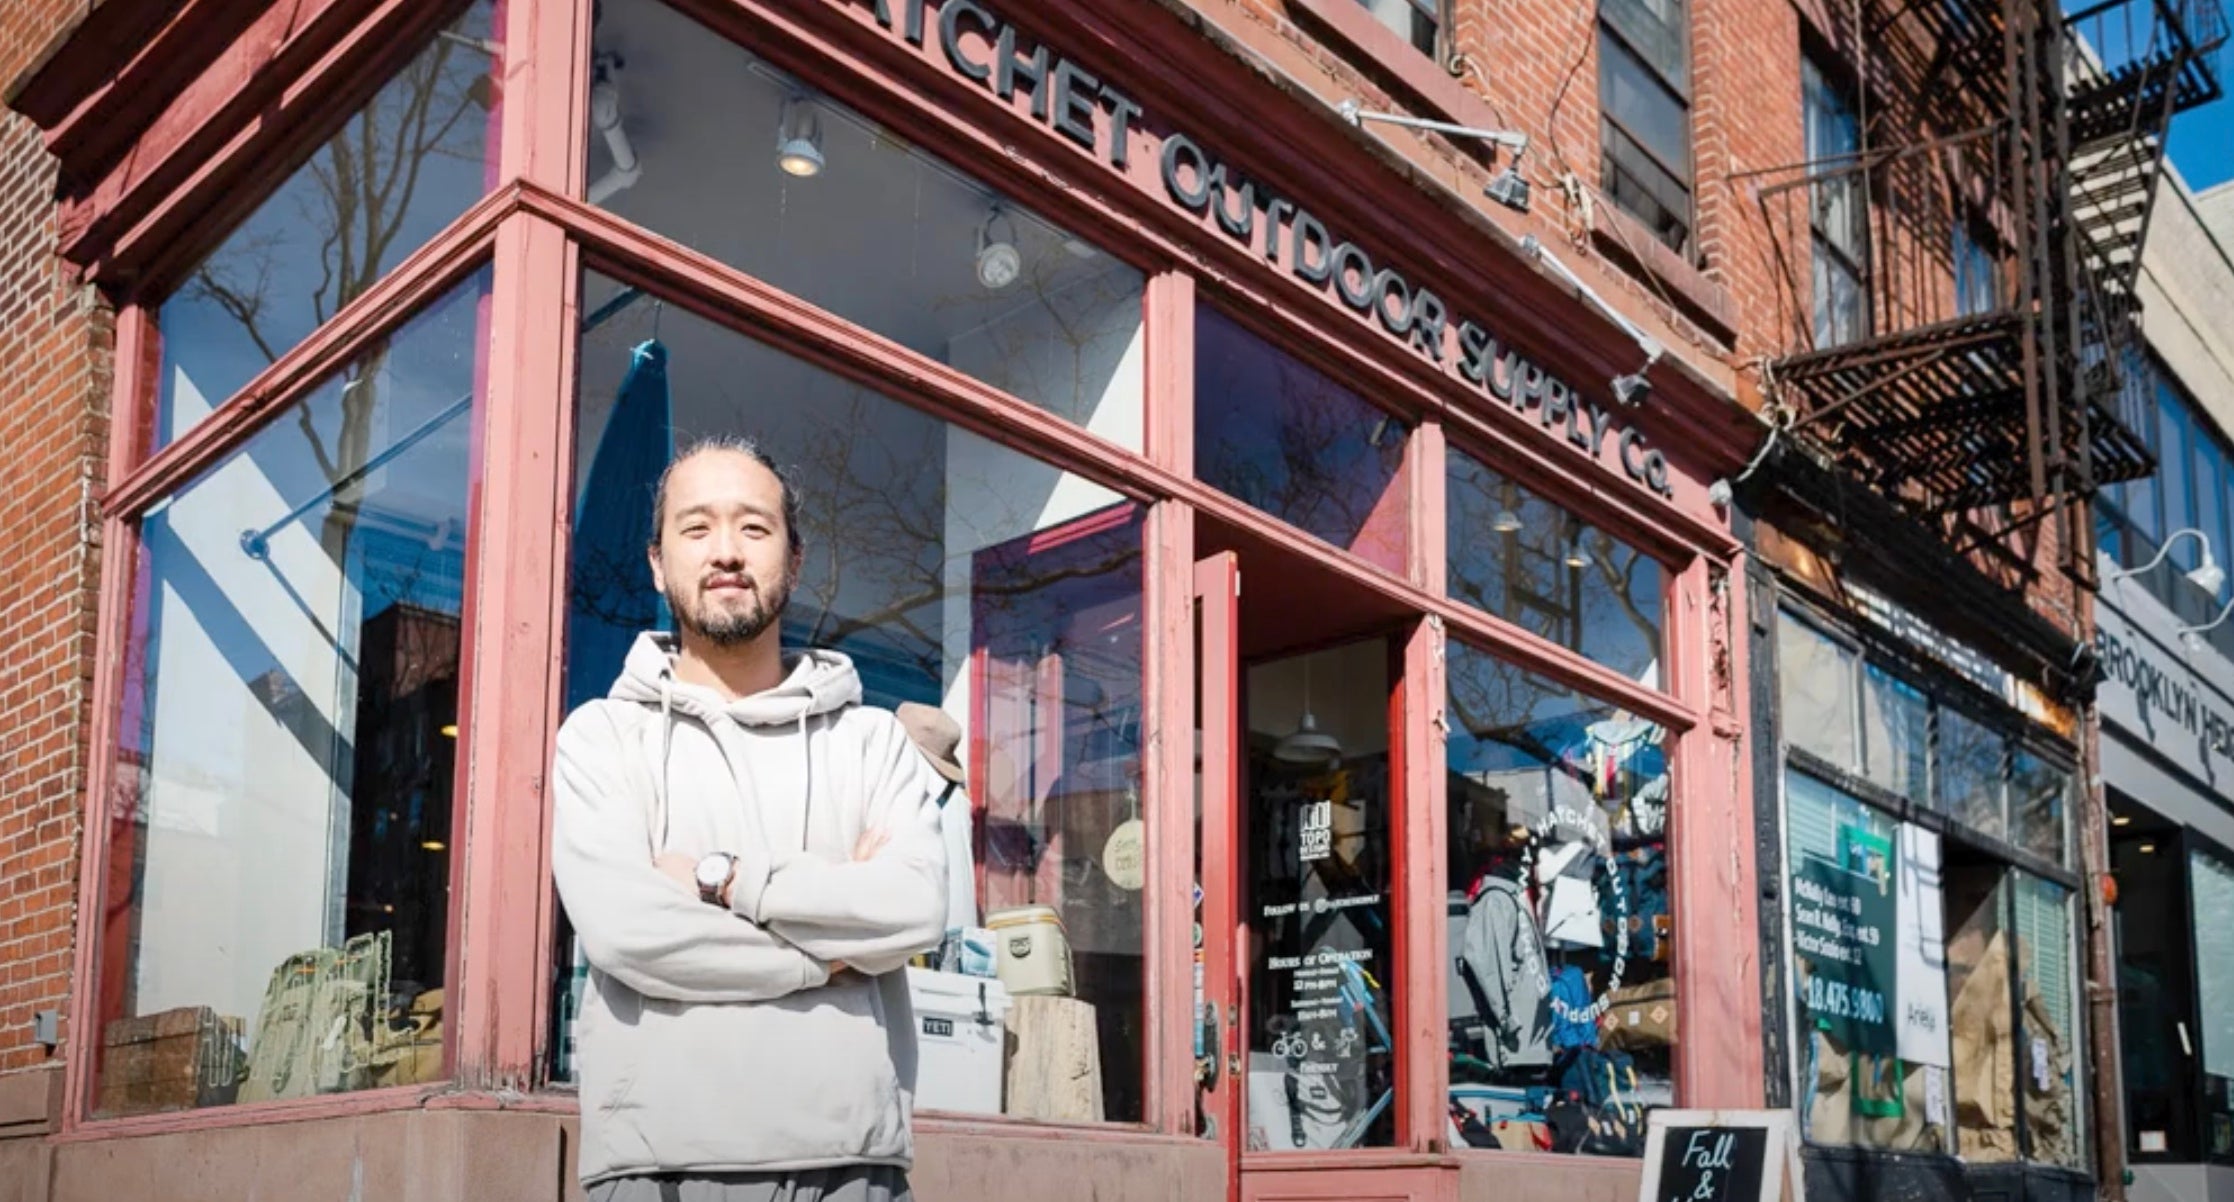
2167	707
1926	839
1354	679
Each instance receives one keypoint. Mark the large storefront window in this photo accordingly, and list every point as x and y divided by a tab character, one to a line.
1529	561
824	204
1563	1007
276	915
419	153
1871	988
956	573
1277	433
1934	983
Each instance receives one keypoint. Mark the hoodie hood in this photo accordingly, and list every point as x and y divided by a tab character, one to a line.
816	682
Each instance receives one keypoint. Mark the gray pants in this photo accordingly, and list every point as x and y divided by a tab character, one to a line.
862	1183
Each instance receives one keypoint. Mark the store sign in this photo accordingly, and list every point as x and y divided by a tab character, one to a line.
985	48
2151	694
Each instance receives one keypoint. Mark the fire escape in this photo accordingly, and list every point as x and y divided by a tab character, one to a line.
1959	256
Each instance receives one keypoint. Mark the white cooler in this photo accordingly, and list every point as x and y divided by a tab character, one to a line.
959	1039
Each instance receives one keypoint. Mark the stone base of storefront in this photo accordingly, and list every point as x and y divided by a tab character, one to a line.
1835	1175
459	1155
527	1155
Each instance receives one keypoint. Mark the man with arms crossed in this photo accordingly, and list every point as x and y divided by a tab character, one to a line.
749	857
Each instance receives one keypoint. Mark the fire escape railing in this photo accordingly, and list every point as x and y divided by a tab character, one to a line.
1960	285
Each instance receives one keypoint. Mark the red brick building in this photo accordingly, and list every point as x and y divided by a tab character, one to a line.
1456	533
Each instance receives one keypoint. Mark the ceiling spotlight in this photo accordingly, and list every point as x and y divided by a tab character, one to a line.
1506	522
2148	849
450	730
2121	820
1510	189
799	138
998	260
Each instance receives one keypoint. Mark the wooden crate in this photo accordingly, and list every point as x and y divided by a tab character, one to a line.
171	1060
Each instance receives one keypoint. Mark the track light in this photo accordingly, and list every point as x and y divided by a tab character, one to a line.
1509	188
799	138
1629	389
998	260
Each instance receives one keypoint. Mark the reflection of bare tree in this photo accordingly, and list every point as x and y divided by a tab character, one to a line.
1323	466
355	197
1528	574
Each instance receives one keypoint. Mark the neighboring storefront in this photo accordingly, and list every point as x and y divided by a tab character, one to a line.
1351	685
2166	650
1924	852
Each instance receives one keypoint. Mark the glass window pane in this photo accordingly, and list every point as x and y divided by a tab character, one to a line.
1524	559
1643	189
2050	1061
1412	20
1656	31
1977	275
2212	484
1323	995
1971	764
417	155
1563	1019
1869	952
951	571
1841	302
2214	959
1896	731
2175	430
285	746
859	222
1816	687
1984	1030
2039	804
1644	106
1283	437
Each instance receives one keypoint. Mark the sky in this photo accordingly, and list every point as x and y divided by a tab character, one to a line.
2203	140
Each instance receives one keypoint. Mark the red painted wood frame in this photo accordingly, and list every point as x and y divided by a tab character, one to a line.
537	236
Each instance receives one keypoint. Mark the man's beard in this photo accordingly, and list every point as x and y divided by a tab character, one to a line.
731	628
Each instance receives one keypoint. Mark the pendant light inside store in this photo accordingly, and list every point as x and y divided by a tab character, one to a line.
1308	744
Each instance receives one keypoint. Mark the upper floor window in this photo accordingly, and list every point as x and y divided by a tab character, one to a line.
1977	269
1838	210
1644	94
1419	22
397	171
2137	519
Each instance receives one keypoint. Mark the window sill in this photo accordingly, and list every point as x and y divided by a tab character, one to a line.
1626	240
1418	74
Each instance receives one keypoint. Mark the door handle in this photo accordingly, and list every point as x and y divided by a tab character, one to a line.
1206	1065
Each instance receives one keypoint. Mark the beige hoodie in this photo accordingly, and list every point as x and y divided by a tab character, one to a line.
716	1039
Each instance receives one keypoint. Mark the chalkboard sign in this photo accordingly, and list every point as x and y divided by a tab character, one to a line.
1719	1156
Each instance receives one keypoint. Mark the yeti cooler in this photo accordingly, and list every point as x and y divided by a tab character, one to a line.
1031	952
958	1041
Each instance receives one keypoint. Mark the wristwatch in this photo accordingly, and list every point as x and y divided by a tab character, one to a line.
713	875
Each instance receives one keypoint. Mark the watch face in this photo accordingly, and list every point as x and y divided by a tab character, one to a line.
712	871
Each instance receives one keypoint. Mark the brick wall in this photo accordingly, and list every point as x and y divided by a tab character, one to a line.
55	341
